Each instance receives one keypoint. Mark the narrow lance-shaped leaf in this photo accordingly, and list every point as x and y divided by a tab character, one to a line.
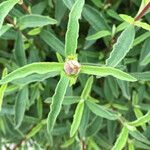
131	145
34	77
106	71
138	135
92	15
73	28
5	28
36	129
127	18
142	38
146	60
122	47
143	25
87	89
3	88
29	21
53	41
20	105
140	121
144	76
102	111
57	100
121	141
95	18
145	53
19	50
77	118
38	68
5	7
99	35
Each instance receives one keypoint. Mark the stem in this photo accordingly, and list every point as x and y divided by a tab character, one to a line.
9	19
25	8
83	145
141	14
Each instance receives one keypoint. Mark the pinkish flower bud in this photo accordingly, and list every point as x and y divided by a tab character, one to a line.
72	67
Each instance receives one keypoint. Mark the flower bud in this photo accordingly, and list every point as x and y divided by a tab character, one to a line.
72	67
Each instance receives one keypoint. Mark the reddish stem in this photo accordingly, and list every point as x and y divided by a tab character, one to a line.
83	145
25	8
9	19
141	14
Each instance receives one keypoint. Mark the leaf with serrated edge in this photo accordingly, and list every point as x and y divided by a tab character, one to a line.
121	47
73	28
37	68
3	88
77	118
34	20
121	141
140	121
87	89
57	100
102	111
106	71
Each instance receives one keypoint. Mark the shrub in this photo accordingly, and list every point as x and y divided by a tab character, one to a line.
75	74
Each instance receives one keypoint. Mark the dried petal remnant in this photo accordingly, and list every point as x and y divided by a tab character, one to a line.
72	67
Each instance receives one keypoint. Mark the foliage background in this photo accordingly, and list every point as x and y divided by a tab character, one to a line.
26	101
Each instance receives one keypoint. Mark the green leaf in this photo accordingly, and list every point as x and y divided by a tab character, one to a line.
138	114
77	118
20	106
68	143
4	29
5	7
98	35
131	145
33	20
124	86
73	28
127	18
60	10
37	68
68	3
87	89
53	41
141	121
19	50
102	111
68	100
113	14
142	25
106	71
121	141
122	26
130	20
95	18
146	60
145	49
57	100
34	77
143	76
95	125
36	129
138	136
141	38
122	47
34	31
3	88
